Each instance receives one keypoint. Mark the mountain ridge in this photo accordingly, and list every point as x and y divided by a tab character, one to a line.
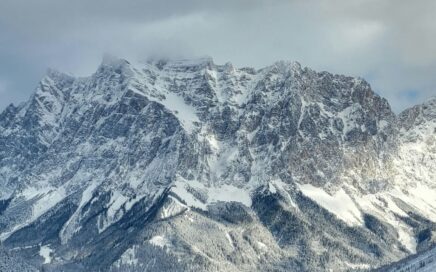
191	143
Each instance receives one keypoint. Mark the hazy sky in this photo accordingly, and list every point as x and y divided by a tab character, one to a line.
391	43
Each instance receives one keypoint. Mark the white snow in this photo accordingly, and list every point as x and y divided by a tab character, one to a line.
229	238
278	185
180	189
384	208
129	257
223	154
171	208
262	245
114	212
224	193
117	200
228	193
272	188
424	199
158	92
160	241
46	198
176	105
339	204
357	265
45	252
213	142
186	114
72	225
347	116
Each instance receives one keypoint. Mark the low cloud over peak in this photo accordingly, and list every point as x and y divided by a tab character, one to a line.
388	42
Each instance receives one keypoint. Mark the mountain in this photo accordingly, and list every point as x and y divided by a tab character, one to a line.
192	166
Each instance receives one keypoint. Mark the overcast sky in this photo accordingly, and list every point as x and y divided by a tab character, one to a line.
391	43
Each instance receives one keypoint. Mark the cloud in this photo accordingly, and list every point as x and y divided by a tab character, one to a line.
389	42
2	87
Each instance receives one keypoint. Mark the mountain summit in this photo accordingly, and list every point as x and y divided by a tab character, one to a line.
192	166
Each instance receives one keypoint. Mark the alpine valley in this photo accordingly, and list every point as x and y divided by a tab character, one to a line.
192	166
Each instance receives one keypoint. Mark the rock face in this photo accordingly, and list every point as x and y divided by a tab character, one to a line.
192	166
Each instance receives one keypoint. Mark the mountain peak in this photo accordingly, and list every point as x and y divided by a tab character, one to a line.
55	74
294	156
200	62
294	65
113	61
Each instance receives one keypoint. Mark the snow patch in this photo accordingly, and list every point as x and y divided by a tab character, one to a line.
157	92
339	204
279	185
159	241
185	113
385	208
47	198
357	265
228	193
171	208
45	252
129	257
262	246
222	193
180	189
72	225
114	211
229	238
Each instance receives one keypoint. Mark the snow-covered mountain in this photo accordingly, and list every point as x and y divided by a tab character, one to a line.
193	166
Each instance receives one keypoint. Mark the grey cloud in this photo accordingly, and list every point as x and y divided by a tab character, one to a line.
388	42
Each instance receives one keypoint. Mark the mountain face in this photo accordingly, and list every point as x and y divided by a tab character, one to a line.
193	166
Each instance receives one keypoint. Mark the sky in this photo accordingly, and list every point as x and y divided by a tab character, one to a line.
390	43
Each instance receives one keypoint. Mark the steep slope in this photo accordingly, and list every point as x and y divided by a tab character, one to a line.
212	167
